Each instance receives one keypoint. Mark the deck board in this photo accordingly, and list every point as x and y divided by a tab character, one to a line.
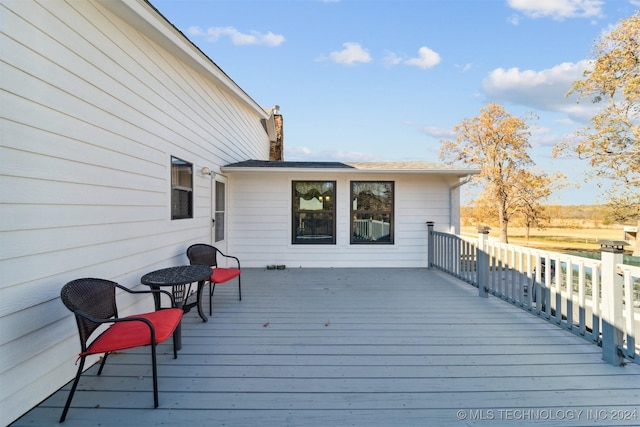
364	347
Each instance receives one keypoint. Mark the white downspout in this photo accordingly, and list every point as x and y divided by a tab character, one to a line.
451	190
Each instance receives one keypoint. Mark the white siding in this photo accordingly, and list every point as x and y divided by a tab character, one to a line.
260	220
92	111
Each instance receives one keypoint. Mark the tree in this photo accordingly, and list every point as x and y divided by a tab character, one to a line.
482	211
531	189
610	142
497	144
527	193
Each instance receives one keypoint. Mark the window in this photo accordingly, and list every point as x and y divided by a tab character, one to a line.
372	212
181	189
314	212
220	211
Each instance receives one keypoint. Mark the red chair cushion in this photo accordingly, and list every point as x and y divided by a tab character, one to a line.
123	335
221	275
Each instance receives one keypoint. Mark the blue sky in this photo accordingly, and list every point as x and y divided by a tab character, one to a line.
382	80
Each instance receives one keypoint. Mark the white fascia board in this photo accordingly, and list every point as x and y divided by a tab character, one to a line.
286	170
271	128
145	18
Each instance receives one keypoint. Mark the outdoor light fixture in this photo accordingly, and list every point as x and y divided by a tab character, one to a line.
206	171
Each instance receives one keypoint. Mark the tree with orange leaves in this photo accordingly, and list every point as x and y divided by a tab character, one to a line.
611	142
497	143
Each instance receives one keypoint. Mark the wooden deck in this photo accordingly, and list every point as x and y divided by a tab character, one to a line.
358	347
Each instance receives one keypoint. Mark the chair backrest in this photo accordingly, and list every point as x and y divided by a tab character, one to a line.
95	297
203	254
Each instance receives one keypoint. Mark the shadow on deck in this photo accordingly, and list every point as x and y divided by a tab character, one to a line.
363	347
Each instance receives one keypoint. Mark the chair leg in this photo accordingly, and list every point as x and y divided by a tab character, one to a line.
239	290
73	389
175	347
212	289
154	368
104	360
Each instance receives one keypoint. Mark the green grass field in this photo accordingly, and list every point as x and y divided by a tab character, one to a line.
557	238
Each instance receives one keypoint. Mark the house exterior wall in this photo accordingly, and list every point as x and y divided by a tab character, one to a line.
92	110
260	220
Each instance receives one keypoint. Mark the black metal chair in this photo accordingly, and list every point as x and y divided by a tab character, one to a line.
204	254
93	301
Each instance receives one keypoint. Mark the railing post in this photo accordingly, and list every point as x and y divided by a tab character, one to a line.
611	286
430	247
482	262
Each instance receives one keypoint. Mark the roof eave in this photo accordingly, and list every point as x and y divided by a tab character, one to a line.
281	170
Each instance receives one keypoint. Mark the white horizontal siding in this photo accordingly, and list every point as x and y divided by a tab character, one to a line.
92	111
260	220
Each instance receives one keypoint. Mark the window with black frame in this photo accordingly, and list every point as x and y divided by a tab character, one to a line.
314	212
372	212
181	189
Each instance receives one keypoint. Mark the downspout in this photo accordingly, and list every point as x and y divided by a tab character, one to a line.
451	190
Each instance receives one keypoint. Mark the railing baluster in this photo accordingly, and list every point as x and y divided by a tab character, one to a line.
569	299
558	288
530	281
582	299
521	277
595	308
629	313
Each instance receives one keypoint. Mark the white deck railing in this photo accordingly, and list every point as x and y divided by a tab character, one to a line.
370	229
596	299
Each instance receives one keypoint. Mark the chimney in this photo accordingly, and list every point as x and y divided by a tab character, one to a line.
276	151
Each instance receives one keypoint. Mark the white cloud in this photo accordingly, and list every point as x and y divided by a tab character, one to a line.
302	154
465	67
438	132
427	58
566	122
351	54
543	137
392	59
238	38
296	153
544	90
558	9
195	31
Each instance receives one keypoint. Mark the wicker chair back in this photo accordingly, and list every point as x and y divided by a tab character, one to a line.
95	297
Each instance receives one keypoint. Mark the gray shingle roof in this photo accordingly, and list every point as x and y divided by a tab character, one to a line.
406	166
284	164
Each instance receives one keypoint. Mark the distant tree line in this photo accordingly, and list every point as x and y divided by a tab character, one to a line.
475	214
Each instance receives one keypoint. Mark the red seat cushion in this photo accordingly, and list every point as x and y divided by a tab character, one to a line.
123	335
221	275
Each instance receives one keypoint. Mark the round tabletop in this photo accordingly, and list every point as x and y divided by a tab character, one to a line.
179	275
